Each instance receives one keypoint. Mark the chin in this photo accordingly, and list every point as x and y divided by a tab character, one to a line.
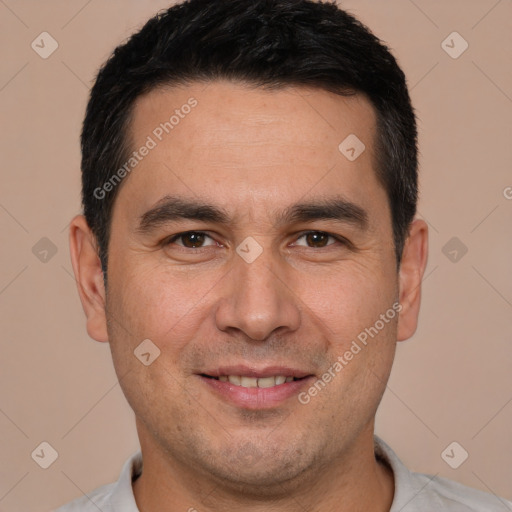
261	475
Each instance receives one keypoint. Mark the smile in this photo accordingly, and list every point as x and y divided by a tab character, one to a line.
254	382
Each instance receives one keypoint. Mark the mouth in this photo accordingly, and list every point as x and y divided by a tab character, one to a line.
254	382
253	389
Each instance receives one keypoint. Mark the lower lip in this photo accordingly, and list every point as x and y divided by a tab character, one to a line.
256	398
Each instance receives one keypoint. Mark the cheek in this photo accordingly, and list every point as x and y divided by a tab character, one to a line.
147	304
350	299
161	303
355	309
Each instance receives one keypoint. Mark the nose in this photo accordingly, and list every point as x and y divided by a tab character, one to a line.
257	300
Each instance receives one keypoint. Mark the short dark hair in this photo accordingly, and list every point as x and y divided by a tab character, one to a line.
267	43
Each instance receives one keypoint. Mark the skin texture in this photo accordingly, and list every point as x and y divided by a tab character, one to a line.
253	153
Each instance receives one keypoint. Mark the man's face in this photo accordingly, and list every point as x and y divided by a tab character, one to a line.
265	289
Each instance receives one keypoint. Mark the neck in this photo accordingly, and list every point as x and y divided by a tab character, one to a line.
354	481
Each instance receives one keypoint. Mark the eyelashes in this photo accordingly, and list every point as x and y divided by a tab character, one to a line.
194	240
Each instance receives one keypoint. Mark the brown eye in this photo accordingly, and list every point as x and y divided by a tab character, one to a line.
316	239
191	239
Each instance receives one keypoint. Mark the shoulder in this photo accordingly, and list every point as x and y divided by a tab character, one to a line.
455	497
99	499
115	497
415	492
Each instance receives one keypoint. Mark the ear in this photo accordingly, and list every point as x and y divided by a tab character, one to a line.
88	276
412	268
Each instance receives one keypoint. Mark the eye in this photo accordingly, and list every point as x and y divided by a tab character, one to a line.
317	239
191	240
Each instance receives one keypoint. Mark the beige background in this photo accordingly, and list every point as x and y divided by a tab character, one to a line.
451	382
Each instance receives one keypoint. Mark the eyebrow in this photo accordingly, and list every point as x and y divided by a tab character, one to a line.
172	208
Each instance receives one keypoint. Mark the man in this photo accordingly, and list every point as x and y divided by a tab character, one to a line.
249	251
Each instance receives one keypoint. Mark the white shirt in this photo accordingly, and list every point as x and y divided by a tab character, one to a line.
414	492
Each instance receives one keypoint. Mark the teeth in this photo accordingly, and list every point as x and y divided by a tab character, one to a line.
253	382
281	379
249	382
266	382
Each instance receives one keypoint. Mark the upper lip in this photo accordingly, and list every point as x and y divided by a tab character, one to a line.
247	371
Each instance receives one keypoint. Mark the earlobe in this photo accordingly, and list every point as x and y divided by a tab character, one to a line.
88	276
412	268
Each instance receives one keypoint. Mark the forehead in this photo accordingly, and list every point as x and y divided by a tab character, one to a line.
227	111
230	139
